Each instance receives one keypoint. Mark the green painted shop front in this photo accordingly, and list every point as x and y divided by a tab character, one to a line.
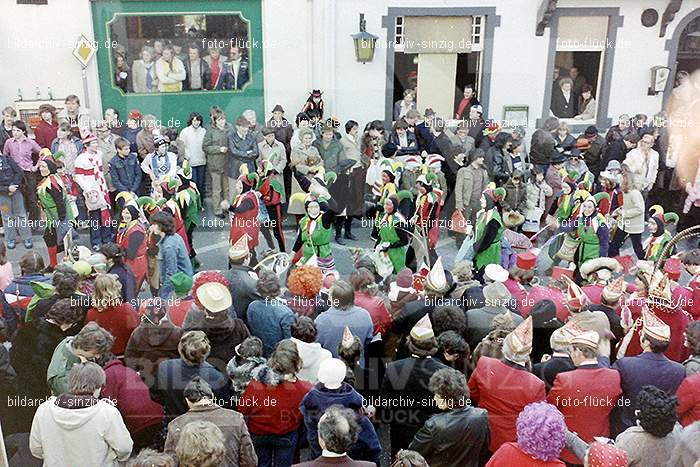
111	18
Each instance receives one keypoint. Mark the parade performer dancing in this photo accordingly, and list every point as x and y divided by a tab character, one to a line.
244	213
654	245
425	221
53	200
315	227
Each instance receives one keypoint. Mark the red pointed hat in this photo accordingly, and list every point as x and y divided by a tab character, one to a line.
672	267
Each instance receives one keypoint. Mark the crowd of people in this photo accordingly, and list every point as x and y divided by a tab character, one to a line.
541	342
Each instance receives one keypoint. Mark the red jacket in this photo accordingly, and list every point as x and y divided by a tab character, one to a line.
510	455
273	409
586	396
120	321
503	391
45	133
688	395
688	298
518	292
677	321
130	395
377	311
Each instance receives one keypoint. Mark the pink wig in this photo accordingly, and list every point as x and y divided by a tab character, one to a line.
541	431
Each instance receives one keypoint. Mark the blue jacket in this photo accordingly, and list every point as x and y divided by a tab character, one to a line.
75	139
647	368
126	172
173	375
318	399
10	173
173	259
271	321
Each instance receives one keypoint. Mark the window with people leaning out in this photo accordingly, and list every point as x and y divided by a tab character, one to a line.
176	53
574	85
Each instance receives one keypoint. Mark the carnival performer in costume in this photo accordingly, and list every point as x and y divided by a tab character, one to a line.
149	207
272	195
565	207
609	183
425	221
392	231
306	161
591	231
131	236
315	228
654	245
90	176
165	198
244	213
342	193
488	231
689	297
659	305
189	202
53	199
161	164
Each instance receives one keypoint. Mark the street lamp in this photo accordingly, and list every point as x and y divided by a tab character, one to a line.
364	42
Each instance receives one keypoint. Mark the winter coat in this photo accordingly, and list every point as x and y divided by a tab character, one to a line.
31	353
687	449
408	378
568	144
644	449
455	438
315	403
510	454
535	204
62	360
130	395
10	174
239	446
120	321
224	334
542	147
242	282
631	218
471	182
240	371
332	154
376	307
330	325
283	133
281	415
214	140
271	321
311	354
516	197
79	430
174	375
243	151
503	389
126	173
149	345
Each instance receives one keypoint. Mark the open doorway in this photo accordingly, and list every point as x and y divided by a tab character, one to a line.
405	73
467	73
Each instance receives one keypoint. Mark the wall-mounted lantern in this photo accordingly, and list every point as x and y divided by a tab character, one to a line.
364	42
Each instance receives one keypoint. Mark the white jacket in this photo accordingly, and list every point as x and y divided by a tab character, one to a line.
86	437
311	354
191	139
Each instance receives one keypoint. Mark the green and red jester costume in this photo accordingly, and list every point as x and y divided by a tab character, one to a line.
53	200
